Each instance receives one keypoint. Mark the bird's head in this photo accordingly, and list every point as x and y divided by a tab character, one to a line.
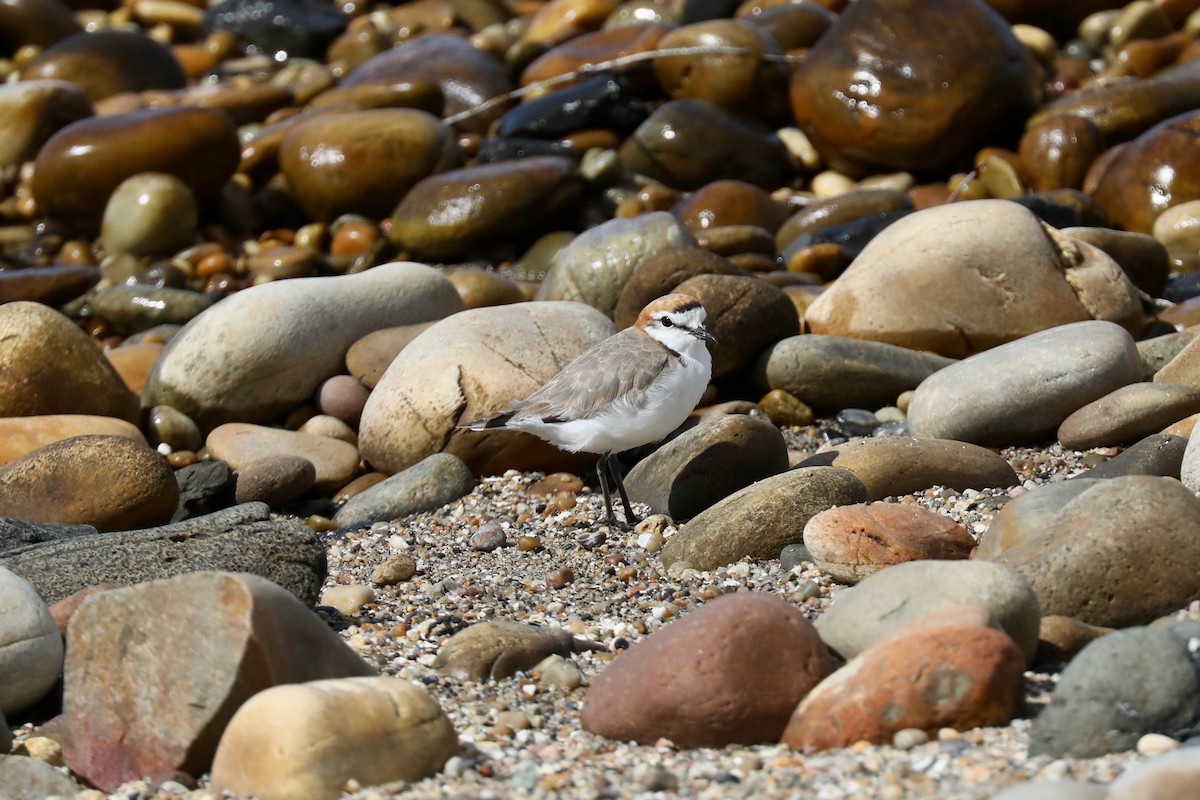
676	320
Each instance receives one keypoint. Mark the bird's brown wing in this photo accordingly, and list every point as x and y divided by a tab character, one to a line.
627	362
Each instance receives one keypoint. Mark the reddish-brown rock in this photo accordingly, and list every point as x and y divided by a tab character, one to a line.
945	670
155	671
728	673
851	542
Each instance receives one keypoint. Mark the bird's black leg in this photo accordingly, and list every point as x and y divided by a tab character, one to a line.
630	518
601	469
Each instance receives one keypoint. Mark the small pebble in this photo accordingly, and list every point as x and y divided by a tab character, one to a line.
1155	744
908	738
489	537
528	543
396	569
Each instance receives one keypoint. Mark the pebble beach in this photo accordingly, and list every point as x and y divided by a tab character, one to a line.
933	530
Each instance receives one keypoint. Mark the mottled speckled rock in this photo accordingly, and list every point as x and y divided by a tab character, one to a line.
904	592
49	366
1022	391
305	741
898	465
596	265
469	366
763	518
951	668
209	642
706	464
110	482
676	685
264	350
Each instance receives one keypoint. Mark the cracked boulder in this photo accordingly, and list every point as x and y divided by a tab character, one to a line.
960	278
468	366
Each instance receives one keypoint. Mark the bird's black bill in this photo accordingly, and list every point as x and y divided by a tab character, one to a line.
704	336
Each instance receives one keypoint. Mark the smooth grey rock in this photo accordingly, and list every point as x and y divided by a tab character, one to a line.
263	351
830	373
25	778
707	463
1021	391
275	480
1127	414
896	465
428	485
19	532
1121	553
1119	688
883	602
762	519
239	539
1157	454
1030	515
31	649
595	265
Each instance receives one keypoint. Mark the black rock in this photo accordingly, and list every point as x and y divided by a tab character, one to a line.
605	101
494	150
1157	454
204	487
852	236
296	28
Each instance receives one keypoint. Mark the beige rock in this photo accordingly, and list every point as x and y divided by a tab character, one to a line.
242	444
466	367
369	357
1127	414
963	277
305	741
133	362
31	651
264	350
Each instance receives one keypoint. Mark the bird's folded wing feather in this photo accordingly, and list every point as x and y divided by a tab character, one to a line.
626	363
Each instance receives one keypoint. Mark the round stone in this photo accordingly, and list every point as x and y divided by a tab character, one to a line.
149	214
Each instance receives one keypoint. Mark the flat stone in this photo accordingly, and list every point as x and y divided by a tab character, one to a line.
31	651
305	741
20	436
762	519
240	539
1119	554
707	463
1167	776
275	480
1096	709
25	778
241	444
892	597
1157	454
1127	414
851	542
1159	351
899	465
674	684
369	357
830	373
214	370
209	642
943	670
426	486
1022	391
1184	368
110	482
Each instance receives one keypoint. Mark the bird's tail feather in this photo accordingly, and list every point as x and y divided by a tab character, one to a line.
487	423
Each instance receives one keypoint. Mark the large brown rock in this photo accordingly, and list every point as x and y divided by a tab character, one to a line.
155	672
110	482
950	669
106	62
963	277
745	315
49	366
864	98
729	672
20	436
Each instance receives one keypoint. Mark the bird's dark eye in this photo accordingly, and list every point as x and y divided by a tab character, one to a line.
666	322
